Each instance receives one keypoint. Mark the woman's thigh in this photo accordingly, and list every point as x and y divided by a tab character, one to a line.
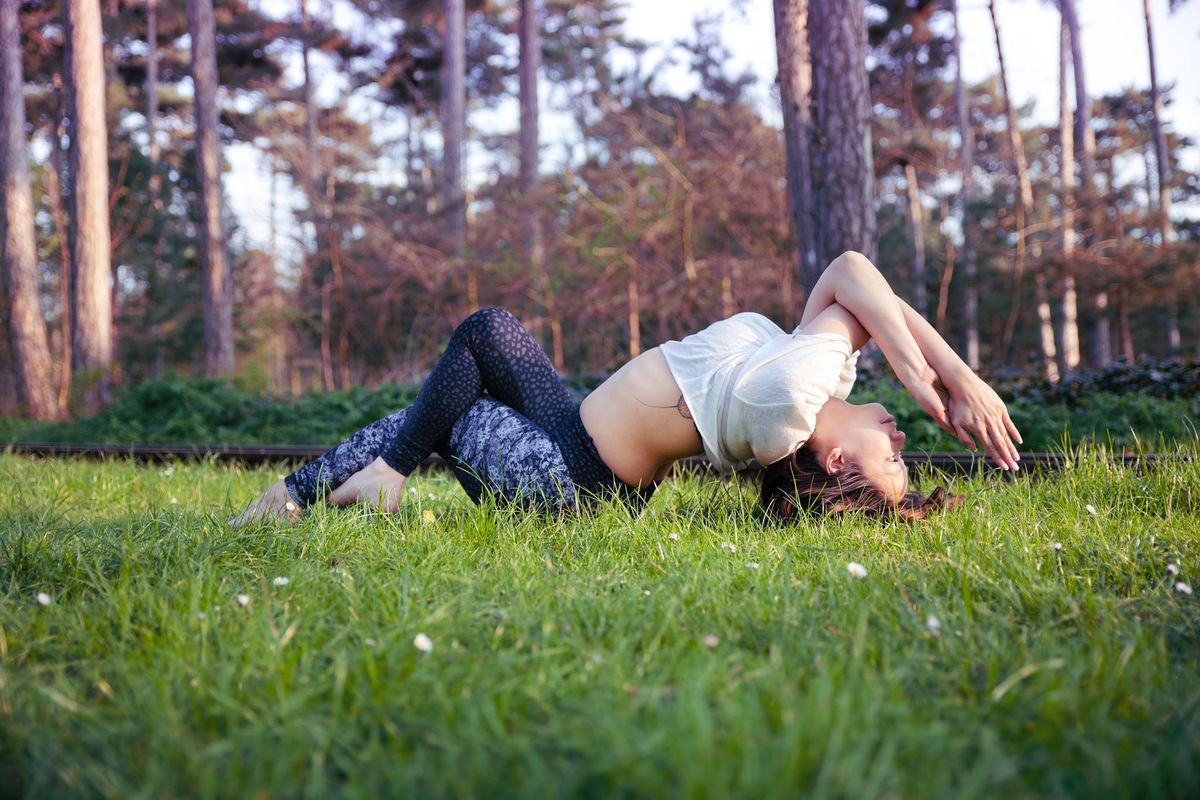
495	449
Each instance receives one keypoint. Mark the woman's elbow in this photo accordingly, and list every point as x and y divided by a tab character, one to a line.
852	259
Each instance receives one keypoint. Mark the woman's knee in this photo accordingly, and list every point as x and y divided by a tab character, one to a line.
490	321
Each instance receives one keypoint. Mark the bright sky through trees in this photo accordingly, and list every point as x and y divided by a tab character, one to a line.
1114	51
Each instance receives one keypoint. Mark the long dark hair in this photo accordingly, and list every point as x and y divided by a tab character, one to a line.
799	483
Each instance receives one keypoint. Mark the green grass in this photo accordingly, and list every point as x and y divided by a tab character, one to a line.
570	656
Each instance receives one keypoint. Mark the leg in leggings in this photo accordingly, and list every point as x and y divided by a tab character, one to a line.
493	449
489	353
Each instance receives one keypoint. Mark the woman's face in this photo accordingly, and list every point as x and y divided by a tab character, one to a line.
866	436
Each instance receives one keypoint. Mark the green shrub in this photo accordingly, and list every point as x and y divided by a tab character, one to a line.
175	410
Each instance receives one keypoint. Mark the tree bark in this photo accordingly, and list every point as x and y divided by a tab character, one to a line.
1085	137
967	159
1024	213
26	326
454	105
843	177
1069	333
54	196
218	282
91	260
151	90
1166	228
316	208
795	92
530	46
916	222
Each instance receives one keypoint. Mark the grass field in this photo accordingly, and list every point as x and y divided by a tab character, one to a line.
1023	645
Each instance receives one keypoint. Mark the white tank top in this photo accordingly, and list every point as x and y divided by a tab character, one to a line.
754	391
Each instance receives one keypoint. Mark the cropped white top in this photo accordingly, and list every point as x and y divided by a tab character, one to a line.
754	391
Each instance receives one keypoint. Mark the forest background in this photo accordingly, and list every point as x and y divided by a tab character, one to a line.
640	210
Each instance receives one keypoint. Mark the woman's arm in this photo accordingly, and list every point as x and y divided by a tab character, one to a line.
852	297
975	410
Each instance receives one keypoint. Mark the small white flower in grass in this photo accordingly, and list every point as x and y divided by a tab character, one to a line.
201	615
44	599
281	580
933	625
423	643
1091	509
1057	546
289	505
751	565
729	547
412	490
1172	569
1183	588
243	600
674	537
174	501
856	569
711	641
168	472
371	642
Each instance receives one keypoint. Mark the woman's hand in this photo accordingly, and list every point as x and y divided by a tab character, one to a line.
927	389
975	410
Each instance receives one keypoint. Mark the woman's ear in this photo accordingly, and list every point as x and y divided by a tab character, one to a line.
834	460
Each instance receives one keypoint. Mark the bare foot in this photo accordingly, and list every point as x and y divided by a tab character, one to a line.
273	505
376	484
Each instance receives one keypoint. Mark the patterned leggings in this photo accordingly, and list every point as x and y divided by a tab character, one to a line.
496	410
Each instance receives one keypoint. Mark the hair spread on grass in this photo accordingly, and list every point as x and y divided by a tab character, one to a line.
799	483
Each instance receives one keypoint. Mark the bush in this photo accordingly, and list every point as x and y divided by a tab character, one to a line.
176	410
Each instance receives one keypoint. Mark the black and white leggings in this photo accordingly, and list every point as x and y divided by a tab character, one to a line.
495	409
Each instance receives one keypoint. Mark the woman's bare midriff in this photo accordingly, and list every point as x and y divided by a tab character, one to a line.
635	423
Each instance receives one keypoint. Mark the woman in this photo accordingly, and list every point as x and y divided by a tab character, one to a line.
737	391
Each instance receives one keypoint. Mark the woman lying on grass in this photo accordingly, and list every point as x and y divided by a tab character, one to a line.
740	390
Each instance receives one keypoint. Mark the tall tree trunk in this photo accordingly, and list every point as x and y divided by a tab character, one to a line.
218	282
795	92
1086	140
839	144
91	260
530	45
967	159
1123	326
1024	214
316	204
277	347
916	222
1070	326
26	327
454	110
1166	228
151	90
54	196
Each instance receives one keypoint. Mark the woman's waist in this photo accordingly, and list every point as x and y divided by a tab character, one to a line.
637	421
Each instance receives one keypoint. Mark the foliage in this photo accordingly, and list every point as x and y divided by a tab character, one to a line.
1030	643
1121	413
200	410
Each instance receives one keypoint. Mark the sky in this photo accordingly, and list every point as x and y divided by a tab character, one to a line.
1114	52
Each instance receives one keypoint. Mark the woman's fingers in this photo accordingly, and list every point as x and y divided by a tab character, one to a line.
1003	445
964	435
1012	428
